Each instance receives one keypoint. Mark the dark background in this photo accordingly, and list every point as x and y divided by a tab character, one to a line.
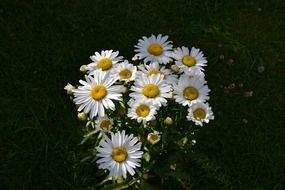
44	42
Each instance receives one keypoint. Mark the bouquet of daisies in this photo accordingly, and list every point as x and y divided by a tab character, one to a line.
141	115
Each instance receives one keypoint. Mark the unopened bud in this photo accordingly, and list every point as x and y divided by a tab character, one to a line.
69	89
153	138
174	68
145	176
168	121
171	95
260	69
135	58
173	167
83	68
120	181
141	66
248	94
82	116
124	89
153	122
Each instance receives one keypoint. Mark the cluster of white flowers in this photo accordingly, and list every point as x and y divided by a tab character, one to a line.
159	74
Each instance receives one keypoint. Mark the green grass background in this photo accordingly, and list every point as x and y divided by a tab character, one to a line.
44	42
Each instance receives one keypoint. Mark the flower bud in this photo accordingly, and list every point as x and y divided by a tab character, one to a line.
83	68
168	121
145	176
124	89
153	138
120	181
153	122
135	58
69	89
82	116
174	68
173	167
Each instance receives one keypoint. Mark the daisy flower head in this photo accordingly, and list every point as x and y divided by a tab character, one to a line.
104	60
125	71
199	113
190	90
154	68
104	124
152	88
141	110
119	154
96	93
154	48
187	60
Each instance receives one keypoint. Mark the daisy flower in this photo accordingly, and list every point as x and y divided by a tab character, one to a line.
154	68
120	155
96	93
199	113
154	49
190	90
125	71
141	110
187	60
104	61
104	124
152	88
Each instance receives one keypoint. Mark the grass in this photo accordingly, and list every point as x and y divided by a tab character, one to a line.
43	44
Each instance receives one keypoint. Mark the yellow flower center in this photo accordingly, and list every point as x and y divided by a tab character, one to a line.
105	124
119	154
105	64
155	71
98	92
150	90
155	49
142	110
190	93
199	113
125	74
188	60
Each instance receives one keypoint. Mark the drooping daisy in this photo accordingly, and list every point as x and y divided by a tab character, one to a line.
154	49
154	68
104	61
96	93
141	110
125	71
190	90
152	88
120	155
199	113
104	124
187	60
